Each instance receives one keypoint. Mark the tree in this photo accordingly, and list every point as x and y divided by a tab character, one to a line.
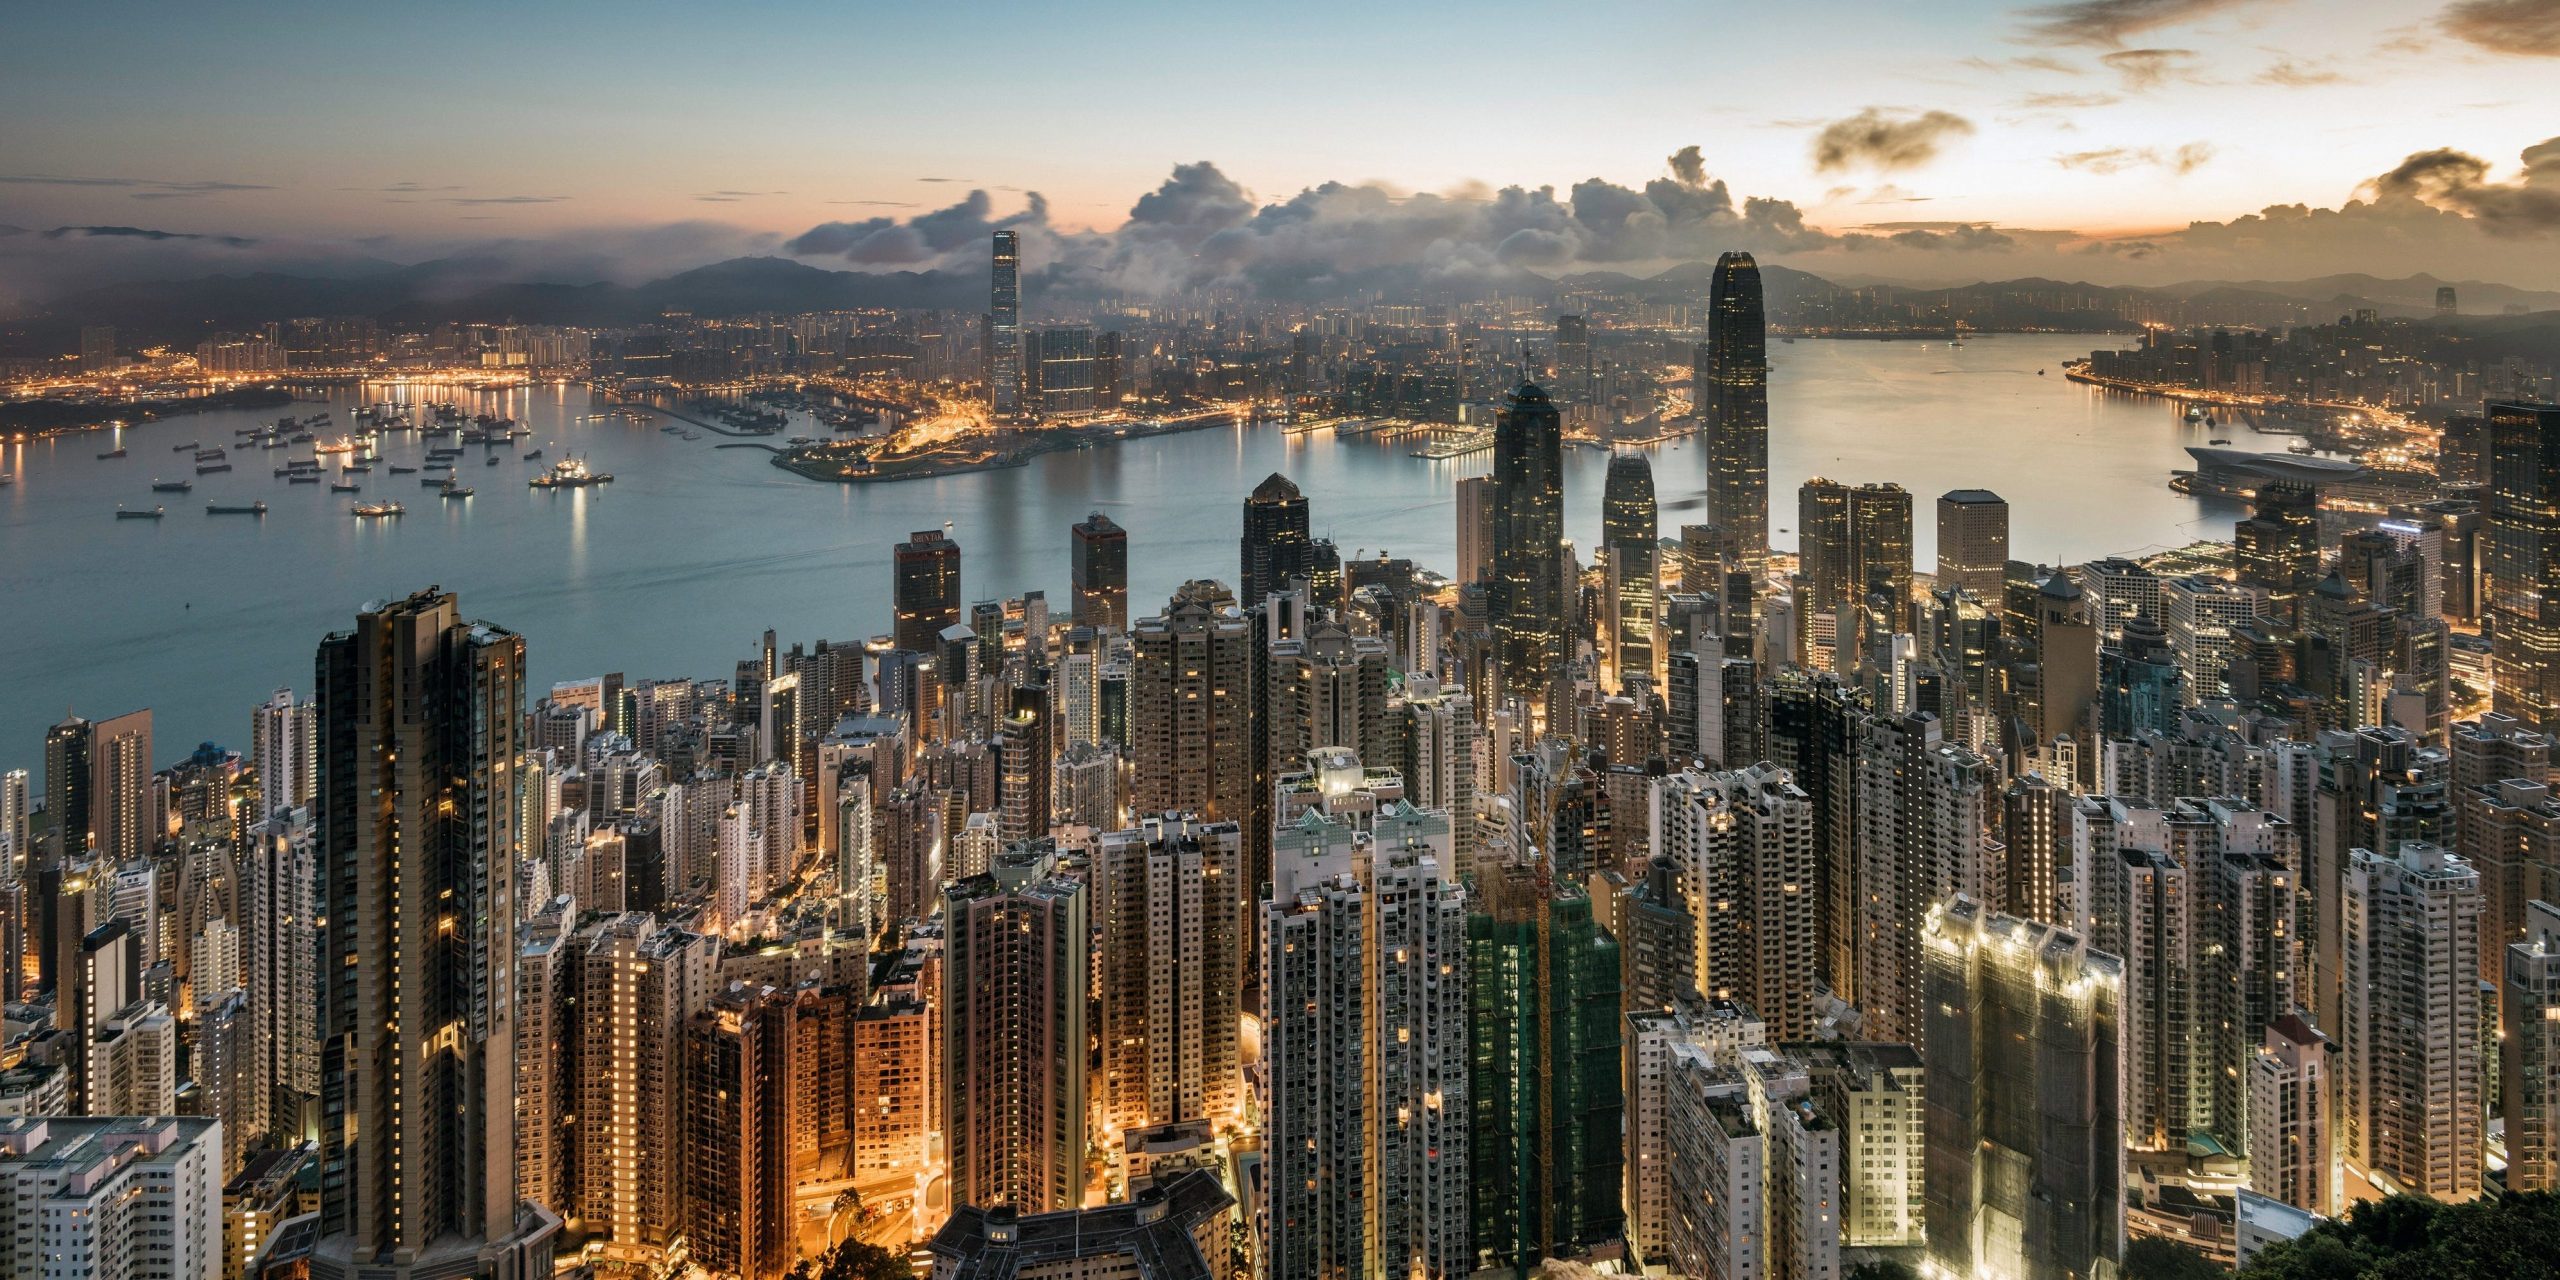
2151	1259
2414	1238
855	1259
1881	1269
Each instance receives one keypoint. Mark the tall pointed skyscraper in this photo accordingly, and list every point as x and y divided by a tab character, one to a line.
420	717
1004	325
1735	378
1528	542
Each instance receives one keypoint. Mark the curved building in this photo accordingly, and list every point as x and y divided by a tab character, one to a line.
1733	406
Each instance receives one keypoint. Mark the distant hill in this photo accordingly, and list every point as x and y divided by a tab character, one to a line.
2410	295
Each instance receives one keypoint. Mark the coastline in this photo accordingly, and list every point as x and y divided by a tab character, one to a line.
808	464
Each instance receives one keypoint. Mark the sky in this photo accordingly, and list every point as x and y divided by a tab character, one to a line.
633	137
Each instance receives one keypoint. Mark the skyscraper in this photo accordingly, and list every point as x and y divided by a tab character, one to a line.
1275	539
1631	538
1100	567
1169	899
1015	972
1573	355
281	750
1004	325
2277	549
66	785
421	787
1735	378
2412	1031
927	589
1528	543
1475	529
1973	543
2524	554
123	817
1741	846
1851	543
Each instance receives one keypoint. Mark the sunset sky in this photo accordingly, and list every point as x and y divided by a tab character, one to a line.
412	130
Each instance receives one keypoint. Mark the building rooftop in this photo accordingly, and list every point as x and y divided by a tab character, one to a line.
1154	1230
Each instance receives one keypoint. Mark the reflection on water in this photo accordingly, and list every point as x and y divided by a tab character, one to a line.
675	567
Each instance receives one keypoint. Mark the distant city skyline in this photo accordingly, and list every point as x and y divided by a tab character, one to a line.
2075	140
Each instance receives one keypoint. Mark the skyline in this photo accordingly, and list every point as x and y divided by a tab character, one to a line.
1998	141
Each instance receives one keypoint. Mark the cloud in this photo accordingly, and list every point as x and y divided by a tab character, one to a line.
2295	75
2525	28
161	188
2106	160
1871	139
2067	101
145	233
403	188
732	197
2458	182
2143	69
502	199
1935	237
2106	23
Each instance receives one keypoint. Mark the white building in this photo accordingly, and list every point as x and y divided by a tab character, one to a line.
111	1197
2409	938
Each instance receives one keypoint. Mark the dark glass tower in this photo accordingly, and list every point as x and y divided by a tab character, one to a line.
1101	572
1275	539
1004	325
926	589
1735	378
1528	542
2524	561
2277	549
1627	508
1630	537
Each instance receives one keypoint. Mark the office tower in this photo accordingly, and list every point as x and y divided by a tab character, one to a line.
1276	541
1973	542
2509	832
1735	379
1100	567
2524	542
1328	688
66	785
1017	955
2446	308
927	589
2290	1102
2118	590
1852	543
2411	1106
1475	529
111	1196
1004	326
2199	616
98	348
1632	545
1528	545
281	744
1175	1230
1546	1083
2140	687
2276	551
1058	364
1169	905
2025	1160
123	816
1573	355
733	1074
1110	370
1366	1114
1742	846
420	788
1022	742
1919	836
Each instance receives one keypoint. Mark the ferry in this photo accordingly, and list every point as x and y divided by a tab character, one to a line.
172	486
111	453
457	491
346	488
375	510
217	509
569	473
126	513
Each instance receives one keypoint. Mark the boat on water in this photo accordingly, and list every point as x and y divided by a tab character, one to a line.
2039	373
2219	440
346	488
172	486
398	470
299	437
357	466
493	459
343	444
209	468
376	510
111	453
218	509
535	456
2195	414
7	479
457	491
209	455
182	448
569	473
672	429
302	477
128	513
693	435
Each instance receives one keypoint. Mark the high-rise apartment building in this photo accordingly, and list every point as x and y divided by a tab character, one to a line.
2291	1100
1922	815
2025	1153
124	812
1169	906
1016	968
1735	407
1475	529
1528	544
734	1076
1973	542
282	750
1100	571
926	589
2410	1105
111	1196
1742	847
1573	355
421	786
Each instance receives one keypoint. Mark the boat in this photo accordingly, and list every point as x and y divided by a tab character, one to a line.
208	455
127	513
302	477
7	479
172	486
436	482
398	470
343	444
184	447
493	459
535	456
356	467
209	468
569	473
111	453
2039	373
375	510
2194	414
457	491
346	488
2219	440
217	509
